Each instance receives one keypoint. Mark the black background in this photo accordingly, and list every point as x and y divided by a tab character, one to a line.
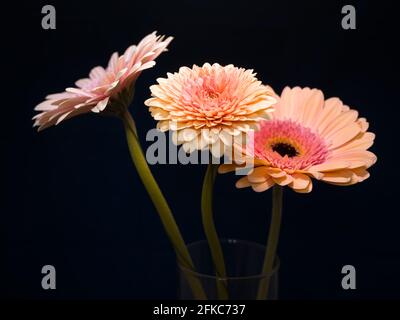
71	198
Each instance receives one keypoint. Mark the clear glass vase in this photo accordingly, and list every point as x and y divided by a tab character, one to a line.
243	261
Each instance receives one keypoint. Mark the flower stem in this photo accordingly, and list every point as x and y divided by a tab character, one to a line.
160	203
211	232
272	244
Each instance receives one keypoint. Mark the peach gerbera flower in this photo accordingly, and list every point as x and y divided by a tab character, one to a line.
207	106
103	85
308	137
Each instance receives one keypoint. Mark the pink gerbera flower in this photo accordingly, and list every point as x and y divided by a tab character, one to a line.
308	137
209	107
104	86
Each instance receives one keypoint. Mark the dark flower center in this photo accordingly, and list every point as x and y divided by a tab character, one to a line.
285	149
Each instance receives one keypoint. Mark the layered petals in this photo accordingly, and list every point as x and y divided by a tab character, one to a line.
95	93
209	107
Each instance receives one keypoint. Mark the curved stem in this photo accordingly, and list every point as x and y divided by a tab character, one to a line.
159	202
272	244
210	230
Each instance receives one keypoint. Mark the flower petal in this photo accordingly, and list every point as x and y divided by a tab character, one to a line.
300	181
261	187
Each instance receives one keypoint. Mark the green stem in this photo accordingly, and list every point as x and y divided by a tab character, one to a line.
272	244
211	232
160	203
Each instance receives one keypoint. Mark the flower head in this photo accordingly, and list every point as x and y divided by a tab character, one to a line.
103	86
308	137
207	106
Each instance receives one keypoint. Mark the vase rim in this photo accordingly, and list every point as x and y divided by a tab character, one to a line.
230	241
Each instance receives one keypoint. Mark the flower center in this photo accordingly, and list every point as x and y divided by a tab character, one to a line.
286	144
211	94
285	149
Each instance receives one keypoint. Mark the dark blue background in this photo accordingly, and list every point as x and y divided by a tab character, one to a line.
70	196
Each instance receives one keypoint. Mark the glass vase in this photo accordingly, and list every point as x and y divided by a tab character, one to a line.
243	261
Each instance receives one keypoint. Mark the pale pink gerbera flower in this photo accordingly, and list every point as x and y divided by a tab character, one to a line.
309	137
104	86
207	106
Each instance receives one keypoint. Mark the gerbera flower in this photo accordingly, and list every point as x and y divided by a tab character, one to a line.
104	86
207	106
306	138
